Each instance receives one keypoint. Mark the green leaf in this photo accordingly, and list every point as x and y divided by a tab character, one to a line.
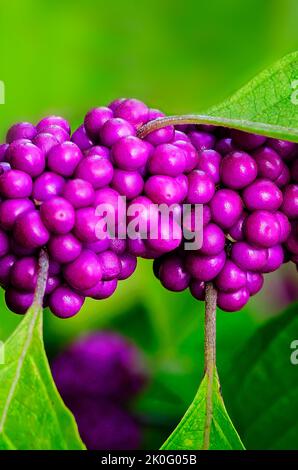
268	104
206	424
263	385
32	414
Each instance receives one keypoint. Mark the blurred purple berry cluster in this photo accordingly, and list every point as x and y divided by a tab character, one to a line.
98	376
51	183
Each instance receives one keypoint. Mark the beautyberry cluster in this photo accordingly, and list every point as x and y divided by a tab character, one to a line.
51	185
97	377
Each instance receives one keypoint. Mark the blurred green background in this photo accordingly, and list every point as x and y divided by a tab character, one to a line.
67	56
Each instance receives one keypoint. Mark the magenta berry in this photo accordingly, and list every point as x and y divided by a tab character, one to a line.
226	207
64	158
238	169
64	302
46	186
58	215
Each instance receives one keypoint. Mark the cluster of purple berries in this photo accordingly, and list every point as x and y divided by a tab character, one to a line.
97	377
52	182
248	187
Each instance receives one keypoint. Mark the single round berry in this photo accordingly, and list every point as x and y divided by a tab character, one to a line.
173	275
98	150
167	159
254	282
262	195
115	103
231	277
64	248
209	162
46	186
64	158
284	177
21	130
95	119
95	169
164	135
130	153
23	274
118	246
237	170
17	301
167	238
269	163
110	265
129	183
213	240
64	302
128	265
115	129
226	207
225	146
27	157
102	290
79	193
201	188
30	231
248	257
285	226
84	272
132	110
52	283
163	189
233	301
15	184
11	209
262	229
284	148
58	215
205	268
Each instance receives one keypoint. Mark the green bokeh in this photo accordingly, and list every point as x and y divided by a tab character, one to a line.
66	56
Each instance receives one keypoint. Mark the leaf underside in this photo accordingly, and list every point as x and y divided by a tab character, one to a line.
190	433
32	414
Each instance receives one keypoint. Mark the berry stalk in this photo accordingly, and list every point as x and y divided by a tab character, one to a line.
210	356
43	269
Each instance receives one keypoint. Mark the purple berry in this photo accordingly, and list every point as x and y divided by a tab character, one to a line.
15	184
130	153
164	135
237	170
84	272
86	224
129	183
97	170
60	134
6	264
45	142
53	121
262	229
163	189
128	265
205	268
64	248
173	275
95	119
167	159
209	162
200	187
17	301
269	163
23	274
254	282
248	257
58	215
191	155
226	207
102	290
197	289
231	277
64	302
290	201
21	130
233	301
46	186
81	139
132	110
202	140
27	157
64	158
29	230
110	265
247	140
213	240
262	195
79	193
11	209
4	243
115	129
275	258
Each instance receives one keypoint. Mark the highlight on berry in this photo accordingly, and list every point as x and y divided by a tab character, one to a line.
52	182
